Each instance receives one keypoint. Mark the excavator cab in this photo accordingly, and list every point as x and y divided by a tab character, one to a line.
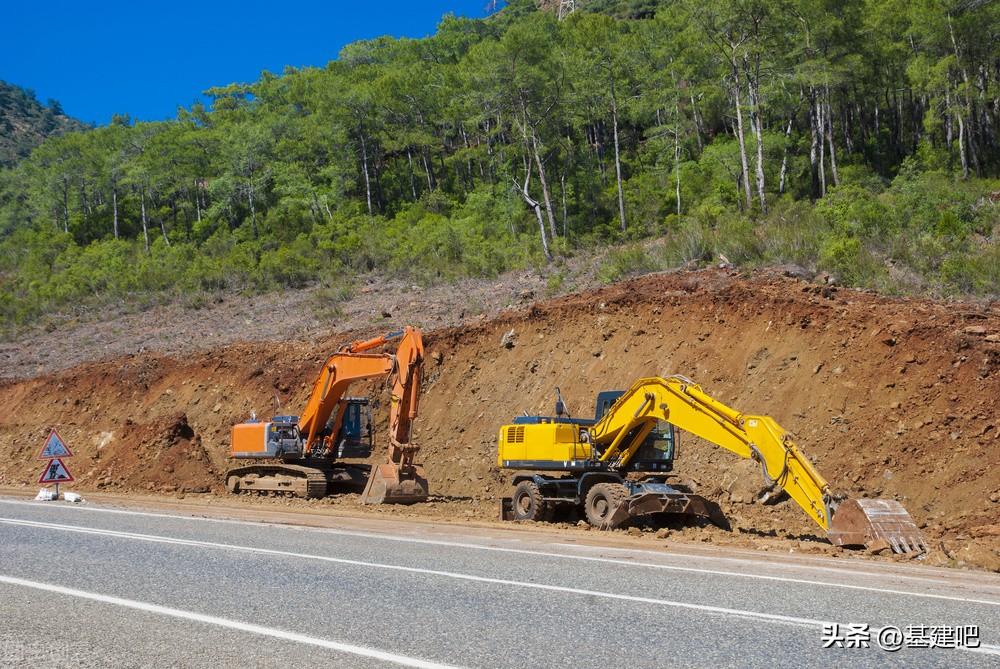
658	450
355	437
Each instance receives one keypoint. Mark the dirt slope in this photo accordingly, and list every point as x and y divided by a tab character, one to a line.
895	398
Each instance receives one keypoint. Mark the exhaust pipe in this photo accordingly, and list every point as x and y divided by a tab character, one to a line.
869	522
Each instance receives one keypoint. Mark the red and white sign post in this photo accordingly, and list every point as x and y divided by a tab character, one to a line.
54	450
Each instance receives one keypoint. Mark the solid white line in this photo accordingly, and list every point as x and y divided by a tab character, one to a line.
352	649
770	617
717	610
853	574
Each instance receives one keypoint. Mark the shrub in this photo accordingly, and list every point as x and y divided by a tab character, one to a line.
621	263
690	242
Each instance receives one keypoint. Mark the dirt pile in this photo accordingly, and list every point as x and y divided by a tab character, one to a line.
891	398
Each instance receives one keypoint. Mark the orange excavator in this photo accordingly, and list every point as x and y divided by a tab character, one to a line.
299	455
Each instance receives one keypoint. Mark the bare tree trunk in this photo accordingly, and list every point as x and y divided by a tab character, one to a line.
428	170
565	209
533	145
961	146
829	139
784	158
970	115
364	167
818	130
677	161
697	124
468	157
413	183
744	164
535	206
197	200
814	143
618	161
757	123
114	207
145	222
948	132
164	231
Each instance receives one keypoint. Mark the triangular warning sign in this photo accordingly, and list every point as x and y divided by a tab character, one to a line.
54	447
55	472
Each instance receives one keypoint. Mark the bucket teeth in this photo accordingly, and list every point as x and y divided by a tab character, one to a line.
863	522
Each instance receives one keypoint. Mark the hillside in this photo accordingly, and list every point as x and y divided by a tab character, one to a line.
888	397
858	138
25	123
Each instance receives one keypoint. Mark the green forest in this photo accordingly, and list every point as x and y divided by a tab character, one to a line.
858	137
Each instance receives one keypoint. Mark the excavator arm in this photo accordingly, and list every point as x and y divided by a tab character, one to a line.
681	402
684	404
352	363
398	479
405	395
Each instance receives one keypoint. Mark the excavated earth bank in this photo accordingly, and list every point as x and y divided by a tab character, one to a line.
889	397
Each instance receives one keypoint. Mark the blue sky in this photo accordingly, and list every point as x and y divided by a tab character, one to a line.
147	58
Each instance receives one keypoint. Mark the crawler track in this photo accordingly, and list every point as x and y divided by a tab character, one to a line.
300	481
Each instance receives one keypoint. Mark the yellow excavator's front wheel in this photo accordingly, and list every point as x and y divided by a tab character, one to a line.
528	503
603	499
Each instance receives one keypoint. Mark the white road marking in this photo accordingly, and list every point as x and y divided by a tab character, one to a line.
718	610
352	649
851	573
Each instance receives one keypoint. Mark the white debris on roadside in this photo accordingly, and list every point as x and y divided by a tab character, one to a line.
45	495
72	497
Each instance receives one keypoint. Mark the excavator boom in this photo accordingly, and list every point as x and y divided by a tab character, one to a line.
684	404
337	374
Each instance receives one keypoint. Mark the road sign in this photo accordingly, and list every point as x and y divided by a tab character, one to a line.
55	472
54	447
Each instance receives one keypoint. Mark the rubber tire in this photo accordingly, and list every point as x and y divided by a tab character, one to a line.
602	500
534	507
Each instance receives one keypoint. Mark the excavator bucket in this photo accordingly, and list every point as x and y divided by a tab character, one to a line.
867	522
390	483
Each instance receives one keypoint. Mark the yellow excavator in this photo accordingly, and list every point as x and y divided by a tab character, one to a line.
299	455
635	433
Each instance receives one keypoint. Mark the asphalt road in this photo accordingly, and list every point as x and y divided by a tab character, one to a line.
100	586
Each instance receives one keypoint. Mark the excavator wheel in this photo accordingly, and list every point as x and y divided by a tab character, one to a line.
527	503
603	499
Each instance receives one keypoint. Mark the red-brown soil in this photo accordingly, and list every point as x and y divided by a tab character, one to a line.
888	397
